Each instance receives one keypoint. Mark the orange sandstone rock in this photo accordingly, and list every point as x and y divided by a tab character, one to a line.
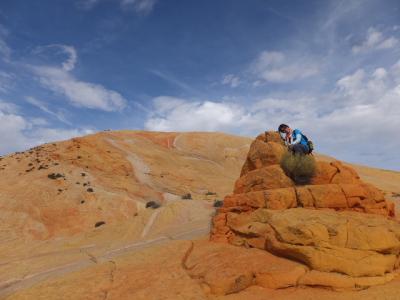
262	154
270	177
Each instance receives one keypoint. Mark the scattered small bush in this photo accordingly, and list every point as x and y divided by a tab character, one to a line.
55	176
90	190
300	168
152	204
210	193
218	203
187	196
98	224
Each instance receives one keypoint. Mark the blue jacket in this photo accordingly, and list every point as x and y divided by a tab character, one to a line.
298	138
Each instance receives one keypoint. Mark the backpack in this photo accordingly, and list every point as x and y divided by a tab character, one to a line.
310	144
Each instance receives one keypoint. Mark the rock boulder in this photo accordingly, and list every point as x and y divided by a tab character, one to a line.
338	226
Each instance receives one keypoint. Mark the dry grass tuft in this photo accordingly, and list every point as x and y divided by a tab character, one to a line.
300	168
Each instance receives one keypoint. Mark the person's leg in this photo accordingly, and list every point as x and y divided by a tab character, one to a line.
300	149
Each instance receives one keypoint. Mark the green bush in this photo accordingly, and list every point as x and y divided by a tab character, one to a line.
187	196
218	203
300	168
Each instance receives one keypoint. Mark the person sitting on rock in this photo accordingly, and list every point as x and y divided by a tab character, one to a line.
296	141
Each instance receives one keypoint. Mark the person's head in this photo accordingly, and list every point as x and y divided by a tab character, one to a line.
283	128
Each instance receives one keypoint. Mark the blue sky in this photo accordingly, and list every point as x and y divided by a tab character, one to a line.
330	68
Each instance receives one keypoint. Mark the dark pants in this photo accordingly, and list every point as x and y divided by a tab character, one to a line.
299	149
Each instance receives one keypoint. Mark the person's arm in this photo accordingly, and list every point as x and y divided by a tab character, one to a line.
287	140
297	139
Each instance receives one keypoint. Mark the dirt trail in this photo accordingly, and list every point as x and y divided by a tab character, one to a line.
150	222
140	169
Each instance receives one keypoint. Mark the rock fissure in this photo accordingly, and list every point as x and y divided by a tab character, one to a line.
111	278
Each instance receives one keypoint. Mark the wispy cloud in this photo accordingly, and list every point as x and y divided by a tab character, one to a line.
86	4
274	66
375	40
231	80
139	6
43	107
78	92
6	81
5	50
173	80
69	63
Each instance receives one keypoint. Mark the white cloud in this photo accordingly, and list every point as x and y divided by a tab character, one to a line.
363	88
231	80
19	133
174	114
375	40
45	135
396	70
276	67
8	108
11	131
79	93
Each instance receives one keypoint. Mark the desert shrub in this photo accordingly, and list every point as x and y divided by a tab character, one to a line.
300	168
210	193
152	204
187	196
55	175
218	203
100	223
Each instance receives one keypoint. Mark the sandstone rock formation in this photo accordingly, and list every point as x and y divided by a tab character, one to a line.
338	226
